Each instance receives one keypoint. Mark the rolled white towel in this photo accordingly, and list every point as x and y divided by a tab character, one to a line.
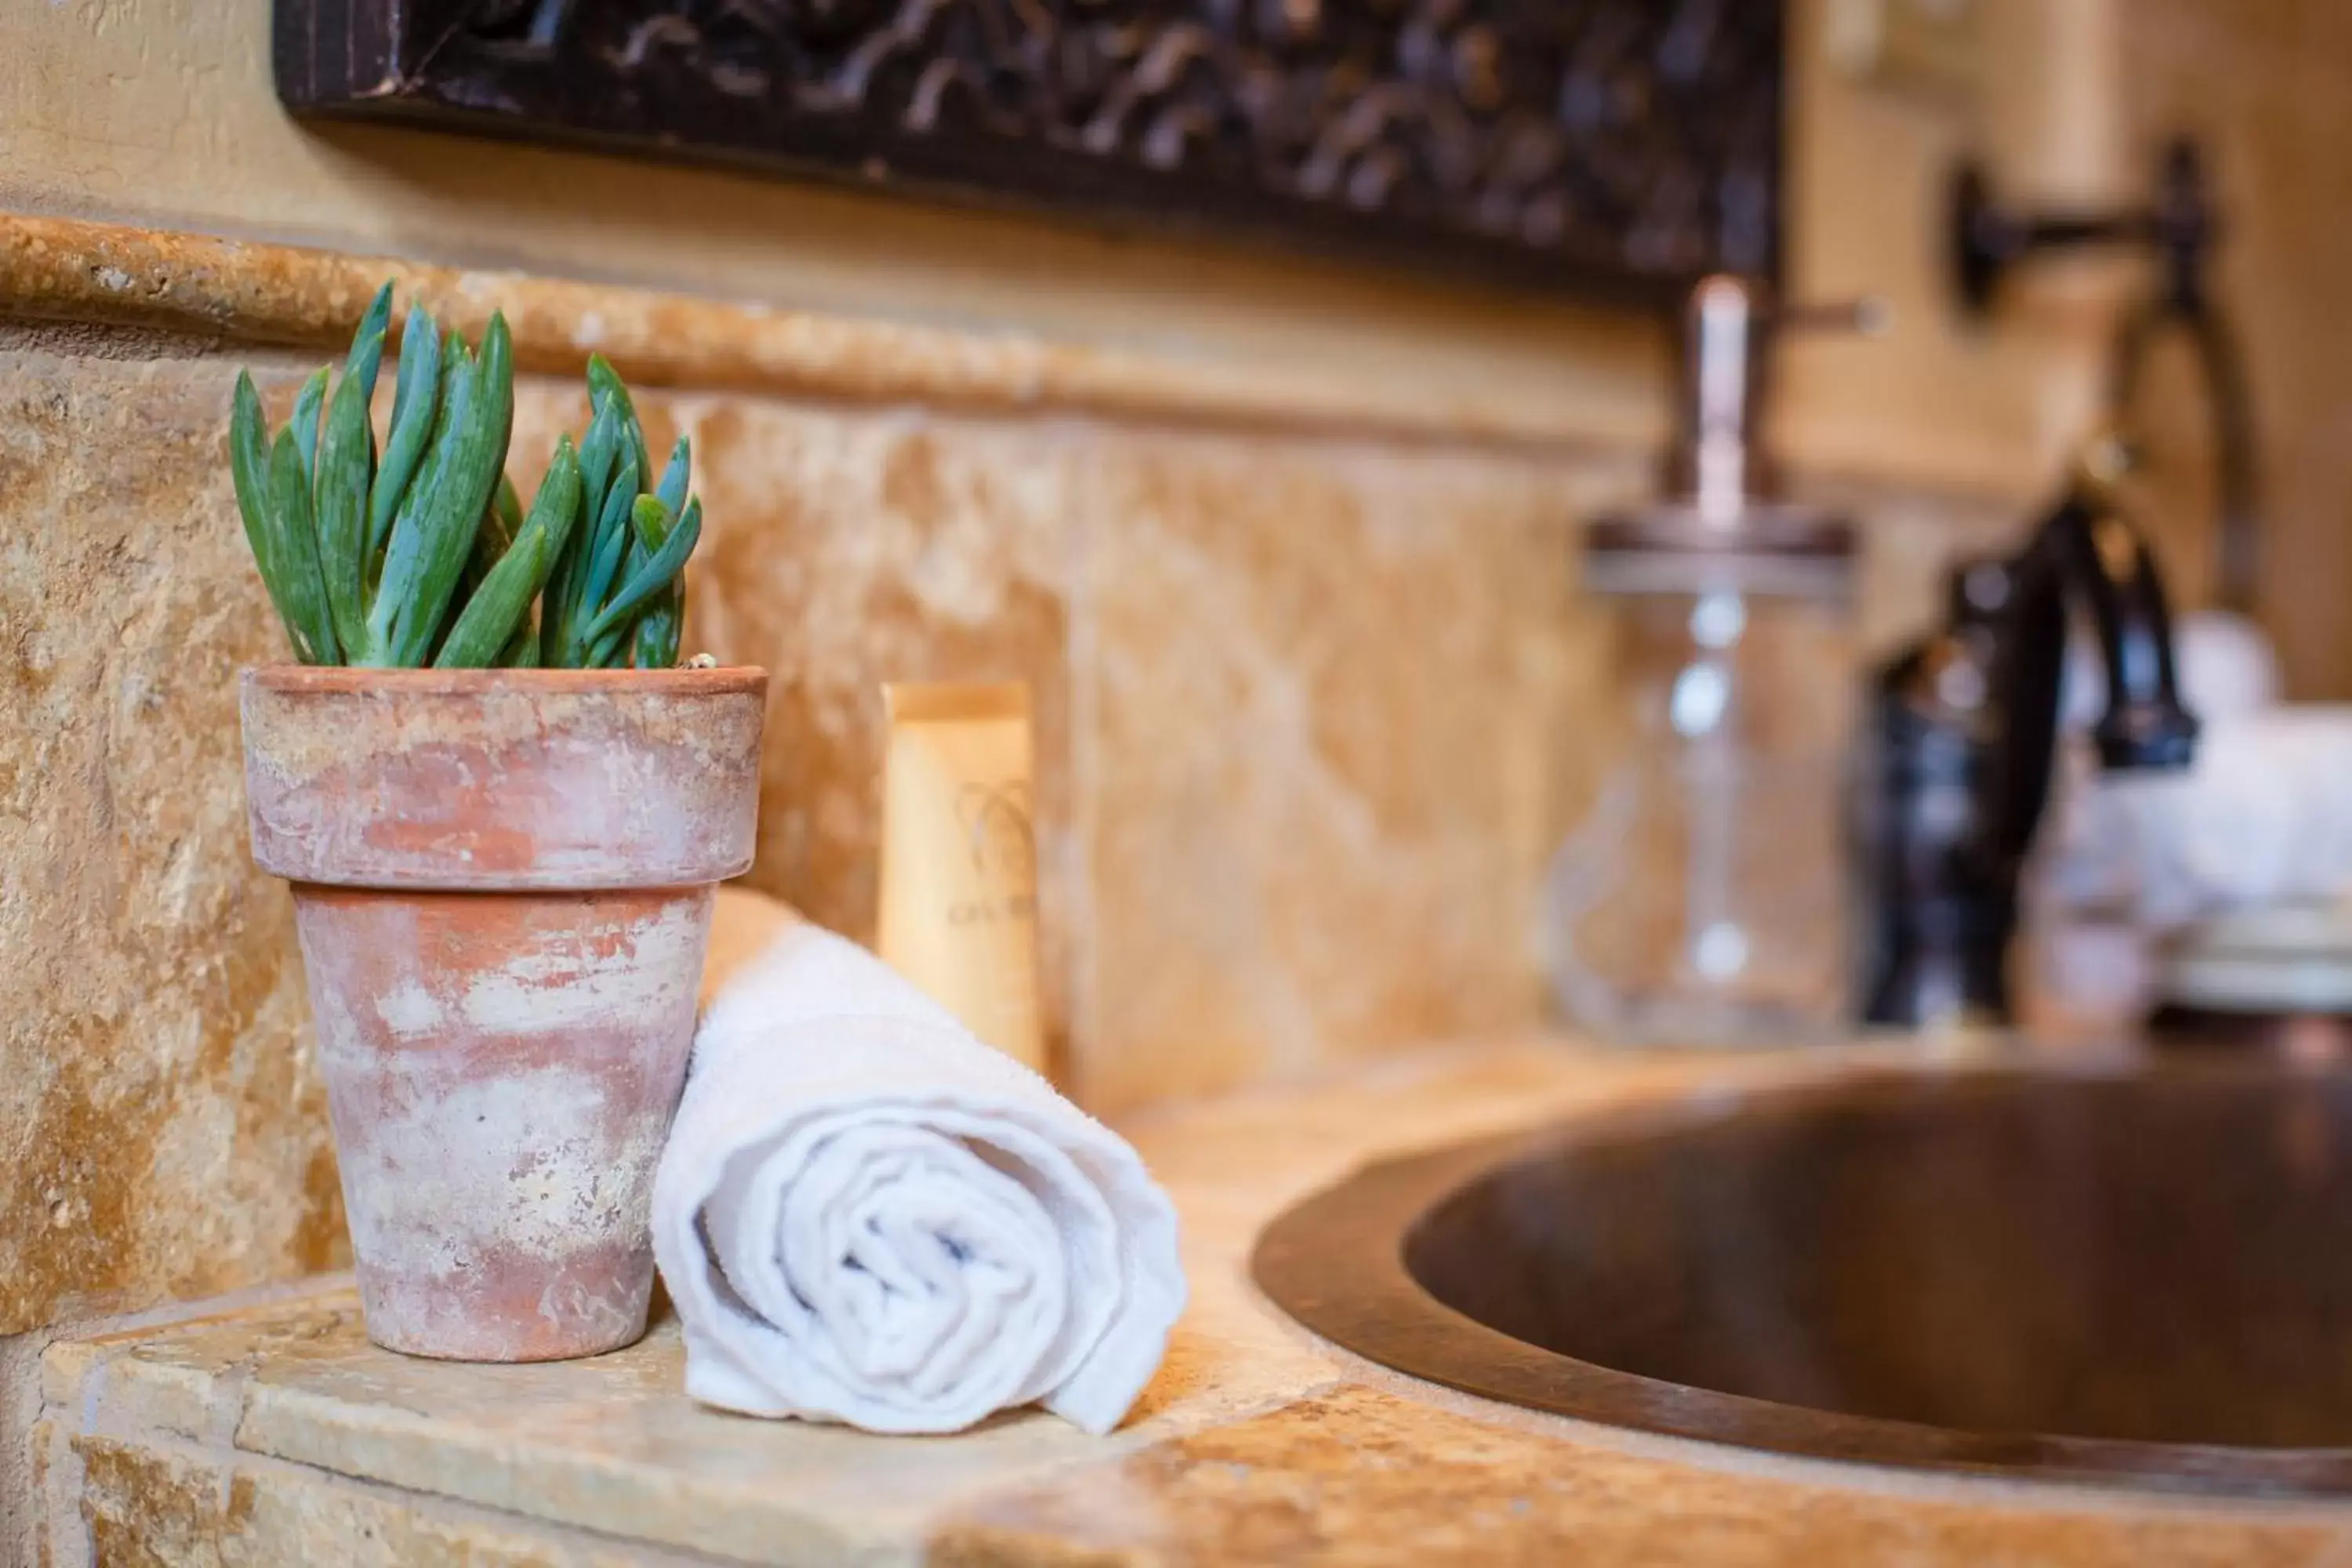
864	1215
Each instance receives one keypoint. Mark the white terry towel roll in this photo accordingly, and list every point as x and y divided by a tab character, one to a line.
864	1215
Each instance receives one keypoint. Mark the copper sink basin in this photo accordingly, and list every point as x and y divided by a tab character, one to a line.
2139	1275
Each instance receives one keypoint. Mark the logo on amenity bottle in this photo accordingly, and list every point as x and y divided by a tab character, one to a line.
1003	849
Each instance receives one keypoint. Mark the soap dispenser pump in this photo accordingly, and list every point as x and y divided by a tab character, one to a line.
1722	516
1703	900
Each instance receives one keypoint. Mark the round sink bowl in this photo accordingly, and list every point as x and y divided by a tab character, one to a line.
2141	1275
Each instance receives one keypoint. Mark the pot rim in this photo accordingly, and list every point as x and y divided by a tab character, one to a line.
502	780
335	678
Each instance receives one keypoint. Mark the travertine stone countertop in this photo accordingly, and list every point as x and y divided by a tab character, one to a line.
272	1433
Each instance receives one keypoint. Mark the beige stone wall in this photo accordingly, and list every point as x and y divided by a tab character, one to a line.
1300	700
1940	401
160	112
2266	85
1312	704
162	1130
1284	548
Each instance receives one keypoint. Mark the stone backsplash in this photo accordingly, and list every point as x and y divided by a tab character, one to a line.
1315	693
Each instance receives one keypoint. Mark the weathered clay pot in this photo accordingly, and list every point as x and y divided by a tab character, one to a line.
503	881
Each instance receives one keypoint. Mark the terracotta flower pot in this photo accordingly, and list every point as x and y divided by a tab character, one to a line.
503	882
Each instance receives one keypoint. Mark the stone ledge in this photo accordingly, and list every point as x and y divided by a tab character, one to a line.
1360	1476
159	1502
613	1445
610	1447
276	1435
198	285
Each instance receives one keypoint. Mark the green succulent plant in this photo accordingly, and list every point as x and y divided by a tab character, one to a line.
421	552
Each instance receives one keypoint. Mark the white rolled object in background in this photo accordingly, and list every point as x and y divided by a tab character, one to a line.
2255	818
2141	873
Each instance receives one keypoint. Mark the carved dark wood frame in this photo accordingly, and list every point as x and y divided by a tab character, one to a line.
1616	148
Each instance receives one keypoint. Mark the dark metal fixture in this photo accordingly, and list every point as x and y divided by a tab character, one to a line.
2179	228
1938	942
1964	733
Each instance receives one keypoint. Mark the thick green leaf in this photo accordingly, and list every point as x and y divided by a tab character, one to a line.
553	517
294	545
307	406
364	555
555	611
633	436
607	651
460	475
649	524
415	403
248	467
521	652
556	507
605	384
367	343
599	451
427	527
608	548
497	608
674	479
654	643
508	506
558	614
606	387
657	572
650	519
501	524
346	454
497	372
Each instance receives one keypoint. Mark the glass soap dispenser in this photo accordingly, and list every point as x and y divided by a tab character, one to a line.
1704	900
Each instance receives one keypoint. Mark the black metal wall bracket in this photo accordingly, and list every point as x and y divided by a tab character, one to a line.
2178	226
2178	229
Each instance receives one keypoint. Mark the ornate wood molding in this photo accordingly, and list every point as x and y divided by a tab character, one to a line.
1614	146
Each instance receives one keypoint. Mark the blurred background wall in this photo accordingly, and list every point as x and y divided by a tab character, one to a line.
1287	548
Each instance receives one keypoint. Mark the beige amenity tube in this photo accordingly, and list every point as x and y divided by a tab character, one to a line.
958	861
